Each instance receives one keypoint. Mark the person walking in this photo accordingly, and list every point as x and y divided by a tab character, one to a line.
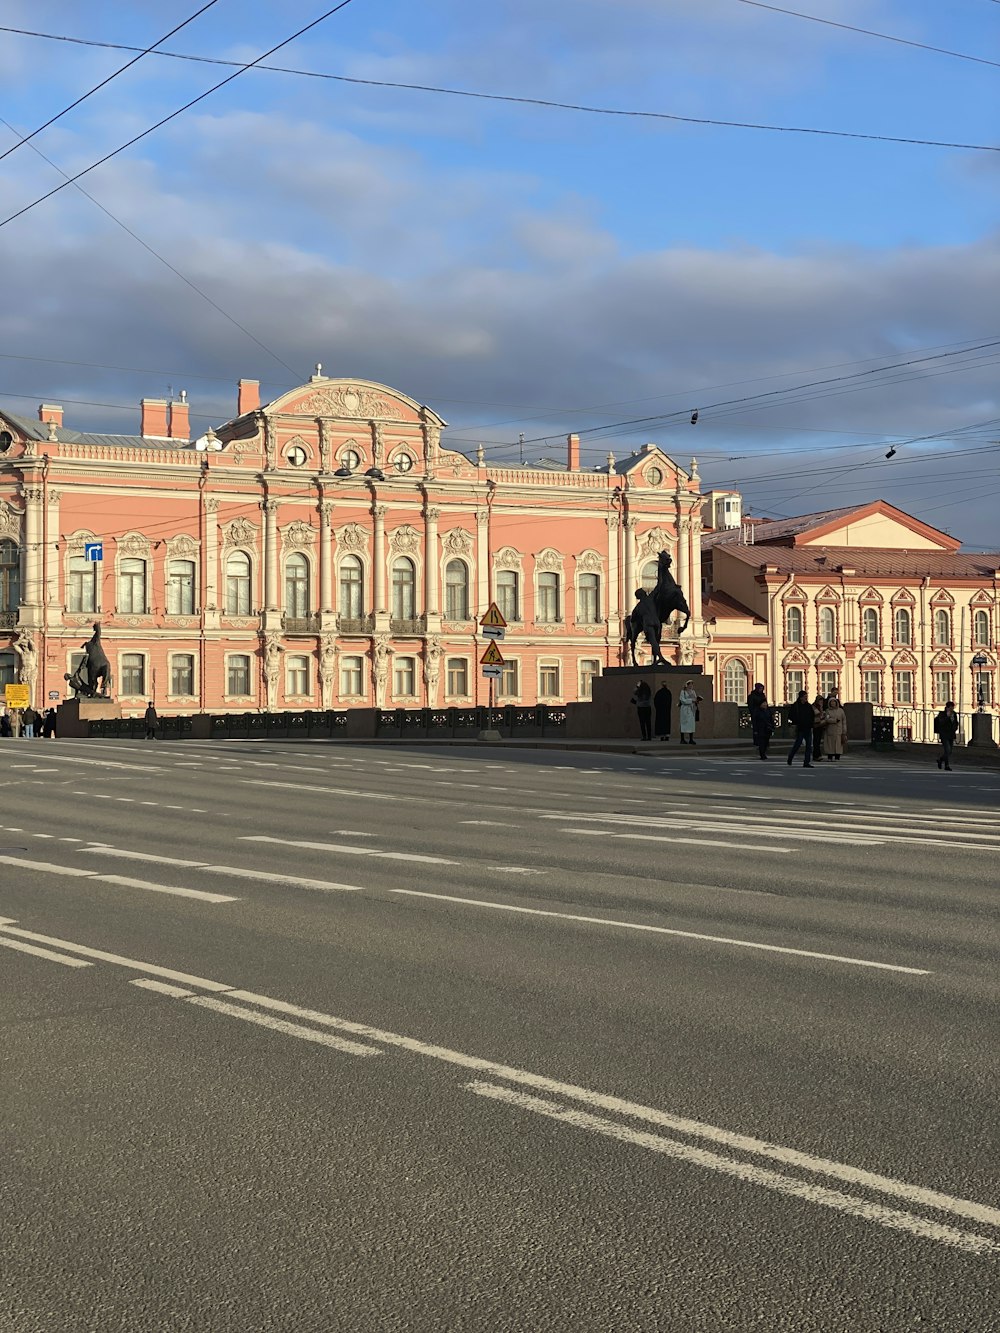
151	720
5	728
802	717
819	723
761	719
28	719
946	728
49	724
663	701
687	713
835	731
643	700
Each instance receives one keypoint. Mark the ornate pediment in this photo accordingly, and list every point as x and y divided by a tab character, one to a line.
10	522
182	547
457	542
829	658
297	535
549	561
653	542
943	661
134	544
903	596
828	594
942	597
241	532
589	562
405	541
872	658
904	659
351	400
795	658
870	595
507	558
353	537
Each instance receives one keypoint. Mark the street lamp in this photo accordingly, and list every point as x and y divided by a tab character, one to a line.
979	661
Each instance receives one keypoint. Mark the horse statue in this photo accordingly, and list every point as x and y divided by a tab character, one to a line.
653	610
93	676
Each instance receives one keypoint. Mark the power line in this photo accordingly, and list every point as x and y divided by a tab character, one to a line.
104	82
868	32
180	110
529	101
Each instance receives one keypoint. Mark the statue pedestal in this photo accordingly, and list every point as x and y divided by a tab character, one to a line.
73	716
982	732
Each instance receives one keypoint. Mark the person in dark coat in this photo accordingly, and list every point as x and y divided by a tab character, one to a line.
663	701
643	700
761	721
946	727
819	724
5	728
29	719
151	720
49	723
802	718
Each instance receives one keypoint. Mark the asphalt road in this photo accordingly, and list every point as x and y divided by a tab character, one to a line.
315	1037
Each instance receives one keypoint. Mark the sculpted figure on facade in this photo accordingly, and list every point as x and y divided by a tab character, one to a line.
327	667
272	668
28	652
380	668
10	522
323	429
270	444
433	653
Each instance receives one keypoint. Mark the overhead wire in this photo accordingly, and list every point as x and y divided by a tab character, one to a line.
548	103
136	138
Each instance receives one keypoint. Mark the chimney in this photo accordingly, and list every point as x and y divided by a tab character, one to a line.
178	419
573	453
154	418
248	396
50	412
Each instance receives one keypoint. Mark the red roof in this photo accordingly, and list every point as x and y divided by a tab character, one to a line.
870	563
720	606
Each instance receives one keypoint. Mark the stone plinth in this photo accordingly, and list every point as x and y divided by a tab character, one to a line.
74	716
611	715
982	732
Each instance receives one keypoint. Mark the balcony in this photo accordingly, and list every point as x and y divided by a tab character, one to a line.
357	624
8	619
300	624
407	628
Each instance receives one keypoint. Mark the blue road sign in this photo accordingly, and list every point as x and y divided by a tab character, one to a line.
94	550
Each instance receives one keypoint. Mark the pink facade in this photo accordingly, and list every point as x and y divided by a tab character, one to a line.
324	550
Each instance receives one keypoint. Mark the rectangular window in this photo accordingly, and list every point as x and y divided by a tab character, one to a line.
458	676
547	610
180	588
81	592
588	599
794	681
508	594
182	674
8	669
548	680
404	673
871	687
589	668
238	674
132	587
133	674
350	677
827	683
508	686
297	675
944	687
904	687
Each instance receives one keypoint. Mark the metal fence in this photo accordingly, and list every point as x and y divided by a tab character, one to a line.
540	720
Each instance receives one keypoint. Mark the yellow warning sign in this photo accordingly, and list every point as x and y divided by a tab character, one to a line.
16	696
492	656
493	617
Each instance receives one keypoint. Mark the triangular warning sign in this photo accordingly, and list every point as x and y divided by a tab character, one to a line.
493	617
492	656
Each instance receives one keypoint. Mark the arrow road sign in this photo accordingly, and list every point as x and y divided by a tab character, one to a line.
493	632
493	617
94	551
493	672
492	656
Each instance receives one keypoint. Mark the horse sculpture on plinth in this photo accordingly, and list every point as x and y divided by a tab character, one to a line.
653	609
92	677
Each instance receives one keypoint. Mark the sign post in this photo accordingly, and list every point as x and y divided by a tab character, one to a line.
17	696
493	626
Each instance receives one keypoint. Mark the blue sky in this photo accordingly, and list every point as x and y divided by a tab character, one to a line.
525	269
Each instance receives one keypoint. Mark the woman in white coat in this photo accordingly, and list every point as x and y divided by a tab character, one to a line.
689	700
835	731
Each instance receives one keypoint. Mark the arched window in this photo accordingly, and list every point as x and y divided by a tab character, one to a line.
547	610
404	590
588	606
981	629
180	588
10	577
827	625
649	576
793	624
352	587
509	594
297	596
132	588
903	623
735	681
869	625
238	587
456	590
942	629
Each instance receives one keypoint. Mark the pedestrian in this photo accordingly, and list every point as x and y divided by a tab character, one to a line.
5	728
761	718
28	719
946	728
801	716
49	724
151	721
835	731
663	701
643	700
819	725
688	716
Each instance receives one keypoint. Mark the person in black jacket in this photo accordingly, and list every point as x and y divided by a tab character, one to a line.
643	700
761	719
802	718
663	701
946	727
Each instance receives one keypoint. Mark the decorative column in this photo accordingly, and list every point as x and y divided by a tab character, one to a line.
270	508
210	576
694	598
51	558
378	591
326	604
32	590
484	575
432	566
630	583
683	543
615	612
327	668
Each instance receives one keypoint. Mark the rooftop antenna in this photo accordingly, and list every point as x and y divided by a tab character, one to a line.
520	446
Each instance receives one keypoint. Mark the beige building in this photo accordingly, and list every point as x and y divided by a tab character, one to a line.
865	601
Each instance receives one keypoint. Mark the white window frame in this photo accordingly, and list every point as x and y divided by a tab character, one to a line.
451	671
239	694
348	671
193	660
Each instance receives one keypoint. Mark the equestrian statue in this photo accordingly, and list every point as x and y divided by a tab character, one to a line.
93	675
653	609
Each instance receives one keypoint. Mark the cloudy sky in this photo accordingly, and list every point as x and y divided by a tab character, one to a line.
522	268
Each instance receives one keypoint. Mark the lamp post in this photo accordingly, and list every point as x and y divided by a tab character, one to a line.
978	662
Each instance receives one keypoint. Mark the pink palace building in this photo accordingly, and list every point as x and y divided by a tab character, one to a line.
324	551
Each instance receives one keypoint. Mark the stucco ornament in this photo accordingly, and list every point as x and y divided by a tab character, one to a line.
457	542
405	540
133	544
589	562
28	652
297	535
272	656
654	541
507	558
349	400
239	533
353	537
432	661
549	561
10	521
328	656
182	546
687	652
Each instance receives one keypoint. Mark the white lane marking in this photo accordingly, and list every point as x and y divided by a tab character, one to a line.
720	824
72	871
665	930
349	850
281	1025
21	947
43	835
517	870
893	1218
102	956
145	884
652	837
161	987
268	876
351	833
333	791
71	840
489	823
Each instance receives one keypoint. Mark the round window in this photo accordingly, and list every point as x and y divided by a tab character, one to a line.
403	462
351	459
654	476
297	456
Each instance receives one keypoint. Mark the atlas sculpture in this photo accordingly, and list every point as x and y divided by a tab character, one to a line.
93	675
654	608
